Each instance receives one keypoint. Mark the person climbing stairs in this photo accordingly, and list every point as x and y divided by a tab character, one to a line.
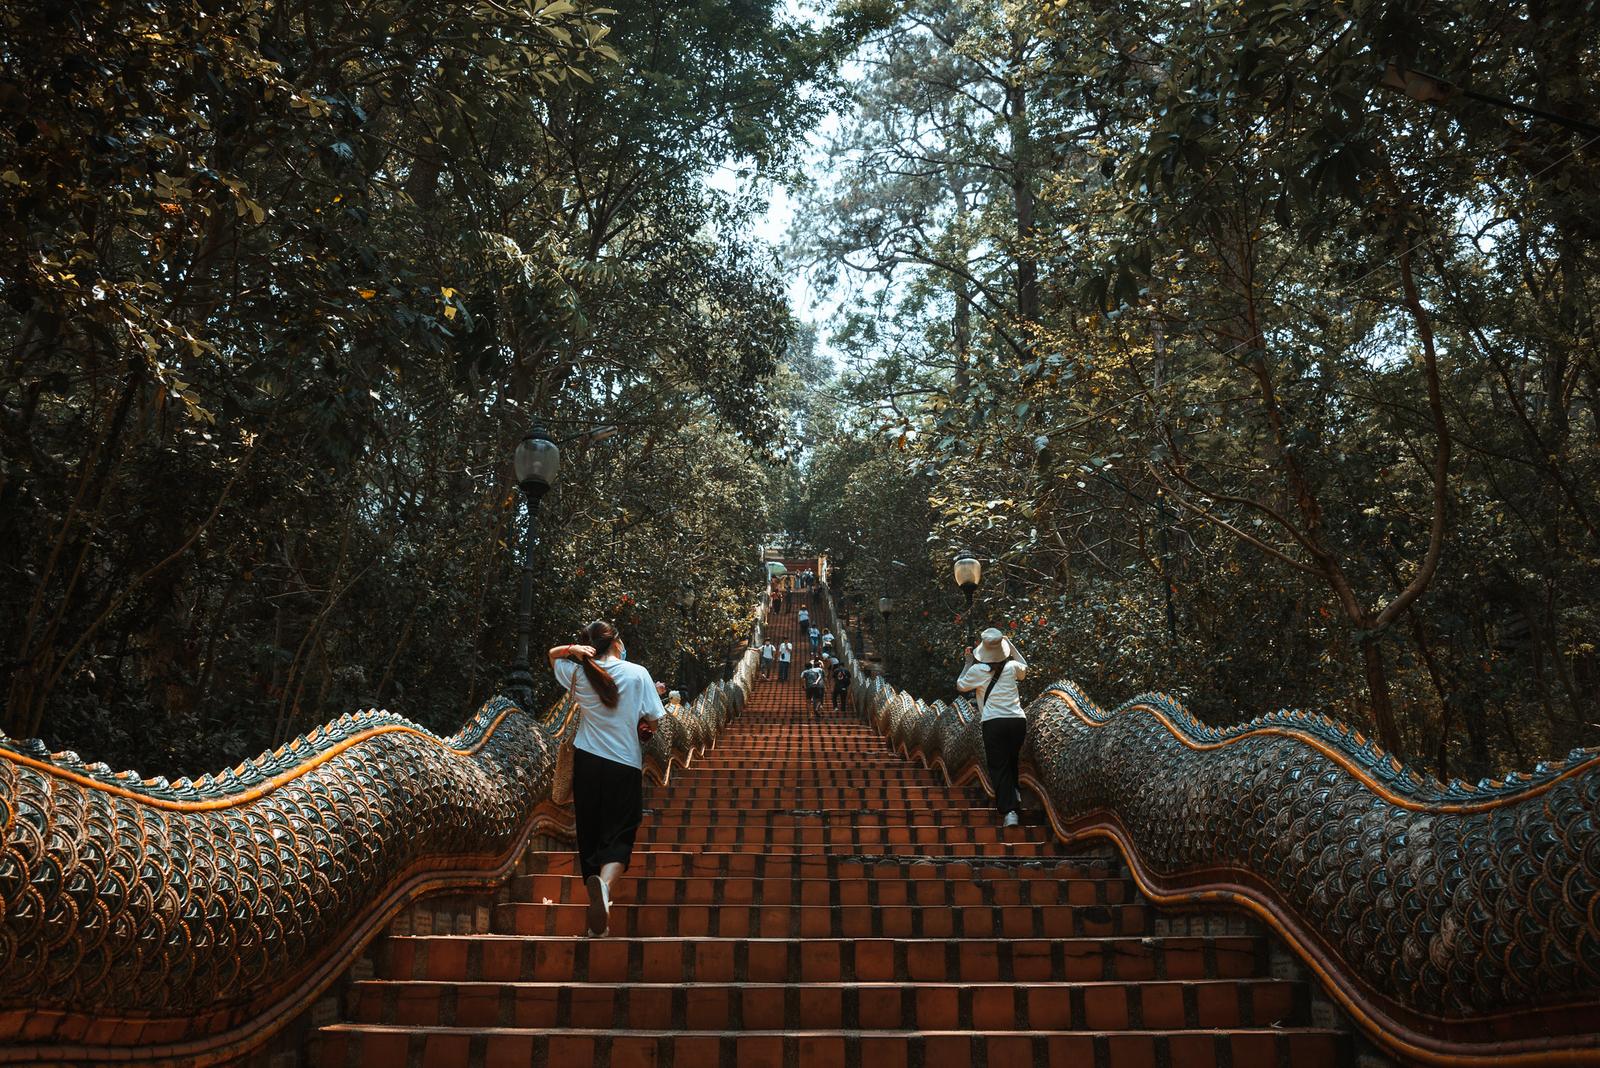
803	896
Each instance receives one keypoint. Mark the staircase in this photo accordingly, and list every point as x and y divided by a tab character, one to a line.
801	896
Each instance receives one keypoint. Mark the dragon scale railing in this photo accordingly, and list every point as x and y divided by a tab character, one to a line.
1455	924
154	921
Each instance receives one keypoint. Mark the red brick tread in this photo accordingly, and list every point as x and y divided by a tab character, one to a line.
819	960
1043	1006
738	890
356	1045
829	920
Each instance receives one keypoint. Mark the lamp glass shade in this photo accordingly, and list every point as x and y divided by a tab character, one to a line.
969	571
538	460
886	605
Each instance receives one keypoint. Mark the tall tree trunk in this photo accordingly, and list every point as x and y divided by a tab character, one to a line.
1378	695
1022	189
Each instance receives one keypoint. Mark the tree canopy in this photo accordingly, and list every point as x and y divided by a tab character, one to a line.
284	284
1252	345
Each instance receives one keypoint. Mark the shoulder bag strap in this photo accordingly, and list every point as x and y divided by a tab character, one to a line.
994	677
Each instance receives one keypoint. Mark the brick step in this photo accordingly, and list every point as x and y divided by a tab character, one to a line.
840	738
760	816
1004	890
1091	1006
500	958
829	921
721	798
777	737
786	864
357	1045
800	768
778	781
856	839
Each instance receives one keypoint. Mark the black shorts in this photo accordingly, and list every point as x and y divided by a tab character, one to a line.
814	693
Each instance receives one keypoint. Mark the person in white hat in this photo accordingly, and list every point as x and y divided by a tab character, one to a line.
994	669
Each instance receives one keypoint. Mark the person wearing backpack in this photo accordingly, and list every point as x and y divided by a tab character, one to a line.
841	684
812	676
994	671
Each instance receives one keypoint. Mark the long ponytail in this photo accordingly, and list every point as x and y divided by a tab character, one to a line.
601	636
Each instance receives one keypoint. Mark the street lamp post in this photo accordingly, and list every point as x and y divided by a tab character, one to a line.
968	573
538	460
885	609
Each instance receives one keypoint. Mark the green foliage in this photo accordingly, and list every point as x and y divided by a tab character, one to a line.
284	284
1248	344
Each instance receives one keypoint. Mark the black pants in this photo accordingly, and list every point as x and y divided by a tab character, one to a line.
783	671
1002	741
608	799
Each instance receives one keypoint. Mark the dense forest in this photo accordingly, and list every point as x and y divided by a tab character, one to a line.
284	285
1252	346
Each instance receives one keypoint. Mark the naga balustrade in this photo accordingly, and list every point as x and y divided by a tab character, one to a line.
155	921
1456	924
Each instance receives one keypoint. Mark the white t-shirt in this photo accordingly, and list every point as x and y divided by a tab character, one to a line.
613	733
766	651
804	617
1005	700
785	652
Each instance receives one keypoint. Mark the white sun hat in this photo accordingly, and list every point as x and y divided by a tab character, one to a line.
993	647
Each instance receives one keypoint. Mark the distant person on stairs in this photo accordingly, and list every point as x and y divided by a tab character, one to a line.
805	620
619	706
841	684
768	651
994	671
813	677
785	658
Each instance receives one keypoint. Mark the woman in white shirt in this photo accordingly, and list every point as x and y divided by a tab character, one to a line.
620	704
994	670
785	658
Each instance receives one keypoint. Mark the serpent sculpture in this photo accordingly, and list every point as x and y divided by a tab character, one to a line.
188	921
1455	924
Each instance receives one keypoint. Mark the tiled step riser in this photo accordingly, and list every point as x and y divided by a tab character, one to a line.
955	820
842	841
786	865
927	893
877	1007
795	960
830	921
723	800
808	778
850	847
345	1047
